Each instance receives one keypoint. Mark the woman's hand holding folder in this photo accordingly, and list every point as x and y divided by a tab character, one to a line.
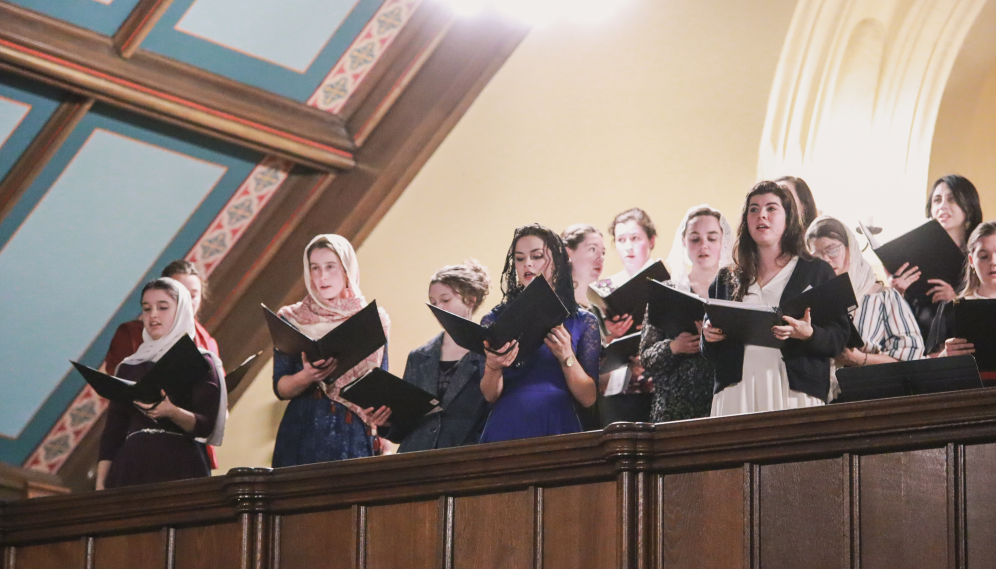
798	329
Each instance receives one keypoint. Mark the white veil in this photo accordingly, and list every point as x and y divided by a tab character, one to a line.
678	262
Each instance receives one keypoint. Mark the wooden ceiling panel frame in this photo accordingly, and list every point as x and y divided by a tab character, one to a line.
84	62
137	26
45	144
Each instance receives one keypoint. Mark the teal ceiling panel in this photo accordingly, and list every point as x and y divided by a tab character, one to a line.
122	197
286	48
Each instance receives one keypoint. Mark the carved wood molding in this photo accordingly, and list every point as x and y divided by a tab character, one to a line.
626	451
42	148
140	22
87	63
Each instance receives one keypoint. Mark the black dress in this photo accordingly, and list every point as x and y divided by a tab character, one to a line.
683	383
144	451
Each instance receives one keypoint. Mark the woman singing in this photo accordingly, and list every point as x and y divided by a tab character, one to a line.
772	264
536	396
144	443
318	425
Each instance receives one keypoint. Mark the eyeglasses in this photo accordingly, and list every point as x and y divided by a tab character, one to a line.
831	252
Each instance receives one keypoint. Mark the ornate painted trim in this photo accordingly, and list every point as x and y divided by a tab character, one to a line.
333	93
68	431
240	211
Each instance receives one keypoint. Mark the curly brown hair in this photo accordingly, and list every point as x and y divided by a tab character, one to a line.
470	280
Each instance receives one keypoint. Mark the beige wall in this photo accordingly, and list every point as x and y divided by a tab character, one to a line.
662	107
965	136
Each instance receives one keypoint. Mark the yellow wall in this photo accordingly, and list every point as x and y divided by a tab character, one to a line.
662	107
965	137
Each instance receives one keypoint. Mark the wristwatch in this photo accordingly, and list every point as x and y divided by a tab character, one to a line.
569	361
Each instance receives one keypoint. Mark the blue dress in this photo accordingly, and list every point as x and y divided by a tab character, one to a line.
535	400
315	428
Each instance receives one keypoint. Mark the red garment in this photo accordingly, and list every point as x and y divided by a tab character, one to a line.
128	337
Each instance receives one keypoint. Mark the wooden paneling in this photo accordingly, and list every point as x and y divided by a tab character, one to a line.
146	550
404	535
319	539
980	502
842	486
494	531
904	510
218	546
580	525
701	523
802	515
61	555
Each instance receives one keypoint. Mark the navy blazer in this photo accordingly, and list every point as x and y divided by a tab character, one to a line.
807	362
465	411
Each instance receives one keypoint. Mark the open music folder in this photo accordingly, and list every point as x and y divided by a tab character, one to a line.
617	353
975	321
676	311
528	319
175	373
234	378
349	343
928	247
930	375
407	402
631	297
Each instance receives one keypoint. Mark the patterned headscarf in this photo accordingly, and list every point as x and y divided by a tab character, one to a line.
316	316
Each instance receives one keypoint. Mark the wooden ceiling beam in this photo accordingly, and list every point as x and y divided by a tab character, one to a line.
137	26
45	144
89	64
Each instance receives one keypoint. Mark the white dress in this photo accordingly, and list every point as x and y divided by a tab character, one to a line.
764	385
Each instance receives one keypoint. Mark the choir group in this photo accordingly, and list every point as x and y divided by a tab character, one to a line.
780	248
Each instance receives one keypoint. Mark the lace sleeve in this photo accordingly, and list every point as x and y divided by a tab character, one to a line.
589	348
655	349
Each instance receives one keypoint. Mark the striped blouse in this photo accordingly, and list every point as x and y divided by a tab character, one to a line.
887	325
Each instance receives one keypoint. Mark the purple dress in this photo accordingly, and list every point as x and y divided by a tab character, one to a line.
143	451
535	400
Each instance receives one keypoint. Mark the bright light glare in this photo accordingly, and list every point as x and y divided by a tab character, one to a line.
541	12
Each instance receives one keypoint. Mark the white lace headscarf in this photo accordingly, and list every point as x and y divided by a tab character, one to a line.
678	262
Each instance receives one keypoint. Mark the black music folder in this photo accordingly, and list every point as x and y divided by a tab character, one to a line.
175	373
234	378
528	319
631	297
617	353
827	301
745	323
975	321
854	339
751	324
918	377
407	402
928	247
349	343
674	311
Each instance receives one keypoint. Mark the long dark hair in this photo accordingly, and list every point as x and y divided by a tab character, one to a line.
965	195
745	253
561	279
807	204
971	280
